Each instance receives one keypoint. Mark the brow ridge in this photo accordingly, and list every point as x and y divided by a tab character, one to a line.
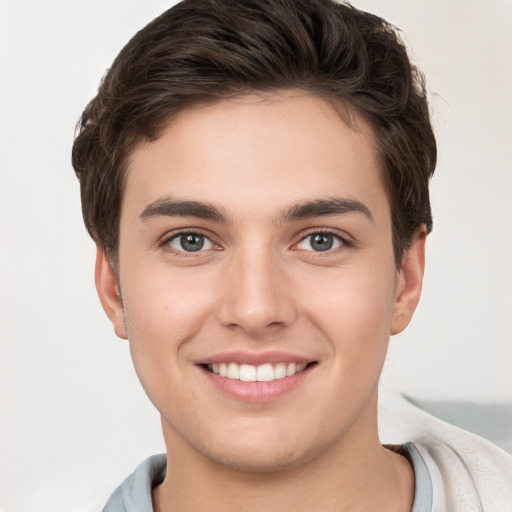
322	207
169	207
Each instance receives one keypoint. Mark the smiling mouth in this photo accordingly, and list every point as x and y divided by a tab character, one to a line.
263	373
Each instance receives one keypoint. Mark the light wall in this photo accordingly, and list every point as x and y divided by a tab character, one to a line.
74	420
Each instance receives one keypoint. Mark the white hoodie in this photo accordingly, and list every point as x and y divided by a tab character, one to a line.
468	473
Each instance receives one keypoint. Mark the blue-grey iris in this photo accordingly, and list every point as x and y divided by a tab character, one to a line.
192	242
322	242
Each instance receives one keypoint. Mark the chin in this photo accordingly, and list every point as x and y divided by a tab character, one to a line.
256	452
260	461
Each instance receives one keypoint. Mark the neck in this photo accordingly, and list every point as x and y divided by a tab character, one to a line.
356	474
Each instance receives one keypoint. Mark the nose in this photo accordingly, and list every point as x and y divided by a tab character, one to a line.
257	296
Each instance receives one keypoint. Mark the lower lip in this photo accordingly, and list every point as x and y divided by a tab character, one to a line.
256	392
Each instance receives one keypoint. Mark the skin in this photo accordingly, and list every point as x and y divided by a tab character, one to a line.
258	285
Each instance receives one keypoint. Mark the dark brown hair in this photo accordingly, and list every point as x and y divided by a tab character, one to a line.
206	50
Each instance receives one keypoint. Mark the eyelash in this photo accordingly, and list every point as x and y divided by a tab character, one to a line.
344	242
165	244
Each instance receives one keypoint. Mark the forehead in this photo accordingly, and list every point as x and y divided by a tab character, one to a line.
258	152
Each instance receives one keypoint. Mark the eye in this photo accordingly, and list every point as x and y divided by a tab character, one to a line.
320	242
190	242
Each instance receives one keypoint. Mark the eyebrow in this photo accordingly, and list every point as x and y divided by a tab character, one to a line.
321	207
168	207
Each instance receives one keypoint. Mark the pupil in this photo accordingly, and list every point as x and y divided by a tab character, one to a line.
192	243
321	242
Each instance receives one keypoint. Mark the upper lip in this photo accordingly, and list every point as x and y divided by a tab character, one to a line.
254	358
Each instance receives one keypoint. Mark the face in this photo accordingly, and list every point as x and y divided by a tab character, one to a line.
258	282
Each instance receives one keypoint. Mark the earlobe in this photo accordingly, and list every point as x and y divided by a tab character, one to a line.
108	292
410	283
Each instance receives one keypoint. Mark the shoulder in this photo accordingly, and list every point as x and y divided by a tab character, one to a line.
134	493
468	473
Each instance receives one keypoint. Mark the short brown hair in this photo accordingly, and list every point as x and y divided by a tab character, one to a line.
206	50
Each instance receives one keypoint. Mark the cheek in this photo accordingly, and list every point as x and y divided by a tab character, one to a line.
161	317
162	313
355	310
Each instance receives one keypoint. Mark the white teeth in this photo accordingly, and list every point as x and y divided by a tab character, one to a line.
263	373
247	372
280	371
233	371
291	369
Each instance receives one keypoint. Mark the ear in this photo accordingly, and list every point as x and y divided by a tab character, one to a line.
108	291
409	282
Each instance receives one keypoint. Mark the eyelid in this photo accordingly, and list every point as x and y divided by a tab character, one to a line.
345	239
342	237
172	235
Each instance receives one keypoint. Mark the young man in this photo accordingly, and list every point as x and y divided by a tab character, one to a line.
255	175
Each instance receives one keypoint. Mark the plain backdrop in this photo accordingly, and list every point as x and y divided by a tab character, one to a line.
74	420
